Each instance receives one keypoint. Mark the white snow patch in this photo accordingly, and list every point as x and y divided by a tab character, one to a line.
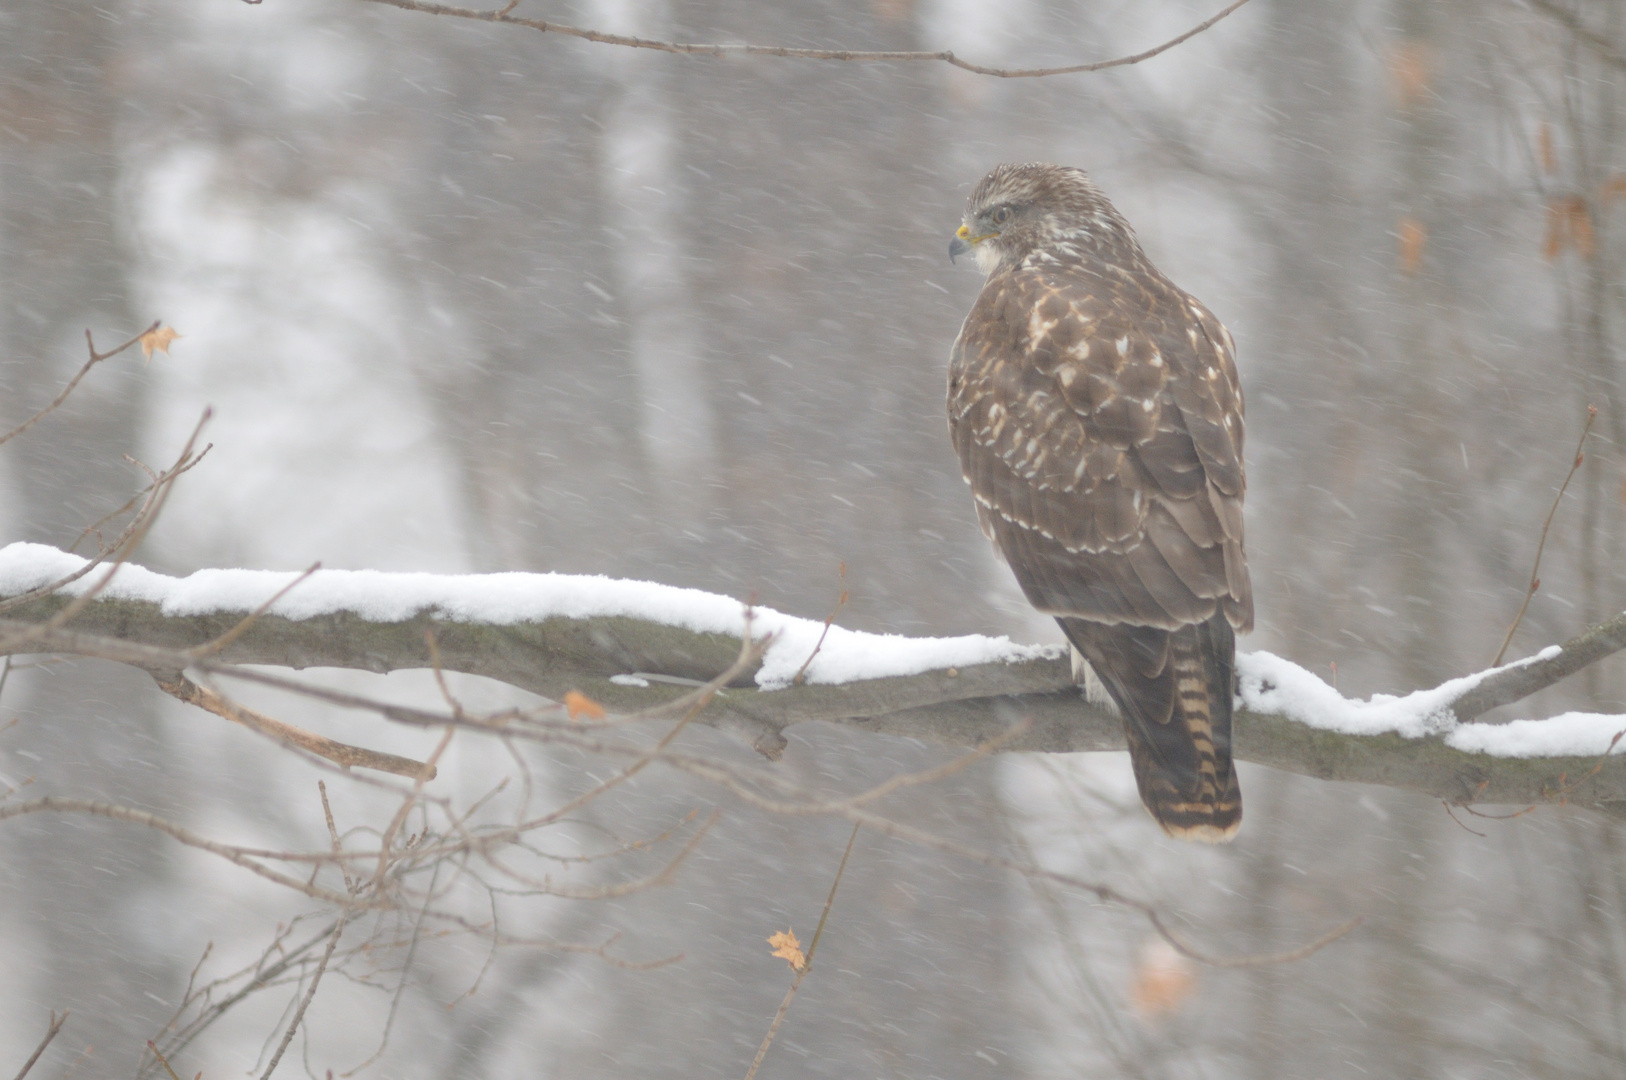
1571	734
1273	685
846	655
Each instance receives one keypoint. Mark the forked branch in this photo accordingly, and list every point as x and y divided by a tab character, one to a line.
505	15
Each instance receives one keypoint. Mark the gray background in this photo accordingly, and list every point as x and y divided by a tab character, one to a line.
469	298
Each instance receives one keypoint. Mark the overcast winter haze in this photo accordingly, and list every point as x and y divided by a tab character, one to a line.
469	298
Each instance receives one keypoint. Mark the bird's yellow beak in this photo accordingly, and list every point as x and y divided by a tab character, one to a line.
963	241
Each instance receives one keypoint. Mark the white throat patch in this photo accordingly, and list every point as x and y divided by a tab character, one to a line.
987	257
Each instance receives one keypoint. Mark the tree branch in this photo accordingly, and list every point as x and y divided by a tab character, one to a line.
178	686
607	657
50	1033
502	15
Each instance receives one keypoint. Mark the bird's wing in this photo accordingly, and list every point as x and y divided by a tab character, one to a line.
1098	419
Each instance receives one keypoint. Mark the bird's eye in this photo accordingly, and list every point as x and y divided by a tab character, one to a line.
1001	215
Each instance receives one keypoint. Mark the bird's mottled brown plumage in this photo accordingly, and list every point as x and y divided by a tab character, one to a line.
1097	414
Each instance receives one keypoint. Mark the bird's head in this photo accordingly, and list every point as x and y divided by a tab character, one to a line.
1017	210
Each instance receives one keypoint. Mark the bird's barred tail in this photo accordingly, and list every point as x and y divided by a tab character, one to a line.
1173	689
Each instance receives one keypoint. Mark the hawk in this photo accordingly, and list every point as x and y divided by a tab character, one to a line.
1097	414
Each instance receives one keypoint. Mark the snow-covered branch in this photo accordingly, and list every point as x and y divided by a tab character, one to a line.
635	645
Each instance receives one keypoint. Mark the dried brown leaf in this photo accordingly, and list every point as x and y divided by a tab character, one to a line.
579	705
788	949
159	338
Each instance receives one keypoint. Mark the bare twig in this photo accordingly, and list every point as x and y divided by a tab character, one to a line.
862	56
433	645
425	772
807	962
126	543
841	602
184	689
750	651
235	855
305	1001
162	1060
50	1033
1452	815
1264	960
95	358
333	835
94	529
1535	570
406	969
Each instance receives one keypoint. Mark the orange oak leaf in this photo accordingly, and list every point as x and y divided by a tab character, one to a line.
157	338
579	705
787	948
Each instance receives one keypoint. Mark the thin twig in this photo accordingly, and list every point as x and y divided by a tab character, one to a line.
1535	570
123	546
862	56
184	689
1566	787
813	945
1452	815
162	1060
1262	960
807	963
139	526
841	602
229	852
406	970
433	645
425	774
750	652
50	1033
333	834
95	358
310	993
657	880
262	974
95	528
1500	817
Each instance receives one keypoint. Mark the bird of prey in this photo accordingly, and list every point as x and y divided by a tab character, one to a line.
1097	414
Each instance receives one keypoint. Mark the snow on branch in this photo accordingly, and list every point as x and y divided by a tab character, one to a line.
636	645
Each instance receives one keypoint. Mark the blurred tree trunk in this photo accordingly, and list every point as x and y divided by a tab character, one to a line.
88	890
